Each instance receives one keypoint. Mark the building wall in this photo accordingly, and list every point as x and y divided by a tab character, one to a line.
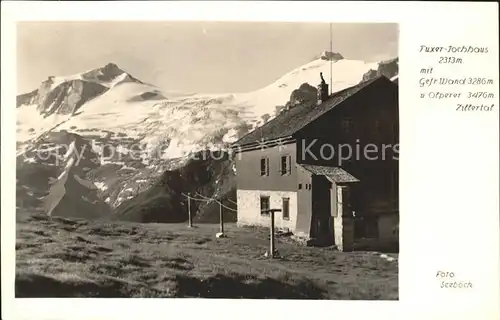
387	225
304	202
248	169
375	122
249	208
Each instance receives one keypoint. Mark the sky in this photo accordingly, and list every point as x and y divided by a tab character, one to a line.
202	57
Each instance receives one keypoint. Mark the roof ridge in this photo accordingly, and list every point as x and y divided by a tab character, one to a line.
294	119
358	86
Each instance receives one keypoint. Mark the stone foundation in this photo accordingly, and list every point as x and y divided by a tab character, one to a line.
249	209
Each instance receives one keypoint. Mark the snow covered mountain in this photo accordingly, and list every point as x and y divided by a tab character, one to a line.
134	131
110	100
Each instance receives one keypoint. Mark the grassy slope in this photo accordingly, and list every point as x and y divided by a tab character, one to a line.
77	258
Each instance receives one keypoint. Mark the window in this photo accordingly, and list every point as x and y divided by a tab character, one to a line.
264	166
285	165
264	205
286	209
300	186
347	124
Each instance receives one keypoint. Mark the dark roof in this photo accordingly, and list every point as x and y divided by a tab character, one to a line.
294	119
337	174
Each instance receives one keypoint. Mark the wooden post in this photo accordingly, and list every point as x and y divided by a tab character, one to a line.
221	218
190	220
271	243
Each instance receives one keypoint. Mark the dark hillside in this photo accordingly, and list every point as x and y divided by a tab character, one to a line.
164	201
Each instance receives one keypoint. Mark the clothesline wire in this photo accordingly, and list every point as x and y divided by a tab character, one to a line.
207	200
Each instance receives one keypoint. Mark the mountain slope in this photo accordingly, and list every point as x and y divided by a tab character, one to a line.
52	176
138	137
345	73
165	201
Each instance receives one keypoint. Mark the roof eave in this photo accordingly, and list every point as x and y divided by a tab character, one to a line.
263	144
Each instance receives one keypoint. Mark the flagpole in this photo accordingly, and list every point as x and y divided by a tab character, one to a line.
331	52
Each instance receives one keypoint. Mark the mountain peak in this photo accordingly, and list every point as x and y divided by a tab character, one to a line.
110	70
107	73
329	55
111	66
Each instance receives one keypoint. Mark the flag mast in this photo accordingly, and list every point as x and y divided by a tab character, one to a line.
331	52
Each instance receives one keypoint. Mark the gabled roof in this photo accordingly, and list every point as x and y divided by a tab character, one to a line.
336	174
294	119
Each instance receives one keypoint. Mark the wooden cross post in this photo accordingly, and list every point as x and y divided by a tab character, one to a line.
190	219
271	243
271	231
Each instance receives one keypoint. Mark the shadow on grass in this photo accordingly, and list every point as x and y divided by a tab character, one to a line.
222	286
41	286
218	286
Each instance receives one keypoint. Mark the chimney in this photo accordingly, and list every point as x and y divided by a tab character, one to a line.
322	90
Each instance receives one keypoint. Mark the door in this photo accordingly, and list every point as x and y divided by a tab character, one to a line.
322	227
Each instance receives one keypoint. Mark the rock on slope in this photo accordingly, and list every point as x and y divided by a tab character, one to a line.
52	176
389	69
68	97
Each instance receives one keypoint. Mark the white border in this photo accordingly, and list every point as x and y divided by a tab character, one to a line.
449	197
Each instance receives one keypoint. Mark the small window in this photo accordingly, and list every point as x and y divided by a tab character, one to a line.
264	205
300	186
285	165
347	125
264	166
286	209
